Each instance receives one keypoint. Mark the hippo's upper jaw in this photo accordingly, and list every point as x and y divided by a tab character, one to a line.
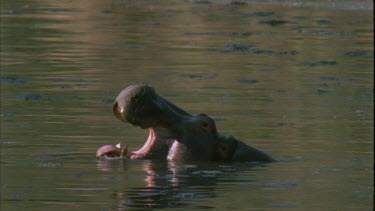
174	133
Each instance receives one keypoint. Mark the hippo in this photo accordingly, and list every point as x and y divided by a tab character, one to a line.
174	134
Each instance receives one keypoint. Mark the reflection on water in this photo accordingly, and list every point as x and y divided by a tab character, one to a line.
293	78
171	185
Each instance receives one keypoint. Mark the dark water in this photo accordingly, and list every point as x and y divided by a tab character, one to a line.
293	78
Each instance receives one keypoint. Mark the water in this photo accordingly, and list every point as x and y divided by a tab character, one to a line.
293	78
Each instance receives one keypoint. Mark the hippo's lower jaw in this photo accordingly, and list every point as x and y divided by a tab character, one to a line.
175	134
110	152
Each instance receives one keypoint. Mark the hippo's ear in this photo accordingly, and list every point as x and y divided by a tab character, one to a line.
226	147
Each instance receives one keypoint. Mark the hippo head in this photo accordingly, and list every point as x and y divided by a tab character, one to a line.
173	133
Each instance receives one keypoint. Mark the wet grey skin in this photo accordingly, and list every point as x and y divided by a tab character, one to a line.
174	134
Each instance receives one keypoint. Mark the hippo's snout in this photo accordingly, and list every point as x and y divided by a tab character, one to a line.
138	104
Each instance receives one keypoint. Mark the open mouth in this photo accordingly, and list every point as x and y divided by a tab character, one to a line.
147	146
156	146
140	106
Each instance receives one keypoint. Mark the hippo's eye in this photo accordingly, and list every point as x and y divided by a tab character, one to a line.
204	124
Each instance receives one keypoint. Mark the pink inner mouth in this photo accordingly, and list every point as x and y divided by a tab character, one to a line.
146	147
